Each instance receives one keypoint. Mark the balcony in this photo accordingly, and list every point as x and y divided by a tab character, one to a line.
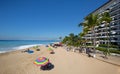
113	32
116	30
113	28
103	37
114	24
114	10
115	7
115	35
104	41
113	40
102	28
88	35
103	32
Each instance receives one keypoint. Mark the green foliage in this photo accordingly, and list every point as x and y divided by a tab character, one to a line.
91	21
101	49
65	40
89	44
115	51
105	50
103	45
73	40
81	34
106	17
111	46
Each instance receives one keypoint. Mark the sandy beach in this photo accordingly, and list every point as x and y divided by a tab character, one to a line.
64	62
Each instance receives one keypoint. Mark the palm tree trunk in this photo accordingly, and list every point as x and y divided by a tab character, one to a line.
94	42
107	39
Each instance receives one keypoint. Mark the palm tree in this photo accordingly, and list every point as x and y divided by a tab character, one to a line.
65	40
82	34
82	40
76	41
71	37
90	22
69	40
85	31
106	19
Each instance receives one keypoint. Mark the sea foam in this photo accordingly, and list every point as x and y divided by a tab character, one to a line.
20	47
26	46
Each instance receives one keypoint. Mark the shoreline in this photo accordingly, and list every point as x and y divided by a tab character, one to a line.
22	47
13	45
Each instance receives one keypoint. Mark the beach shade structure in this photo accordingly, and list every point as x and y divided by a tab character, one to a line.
44	63
41	61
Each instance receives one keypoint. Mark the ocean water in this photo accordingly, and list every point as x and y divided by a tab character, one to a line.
11	45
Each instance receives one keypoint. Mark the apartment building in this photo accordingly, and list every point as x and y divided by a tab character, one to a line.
113	7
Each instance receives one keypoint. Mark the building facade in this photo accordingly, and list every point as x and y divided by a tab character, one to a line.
113	7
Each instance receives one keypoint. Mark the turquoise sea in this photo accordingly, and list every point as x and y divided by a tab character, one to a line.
10	45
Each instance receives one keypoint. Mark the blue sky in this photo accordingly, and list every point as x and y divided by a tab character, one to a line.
43	19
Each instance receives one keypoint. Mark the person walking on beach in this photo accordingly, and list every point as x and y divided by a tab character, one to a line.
88	52
28	50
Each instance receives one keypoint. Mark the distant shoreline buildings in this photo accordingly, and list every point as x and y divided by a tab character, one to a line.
113	7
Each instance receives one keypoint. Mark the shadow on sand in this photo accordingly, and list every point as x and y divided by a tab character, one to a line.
52	52
104	57
49	66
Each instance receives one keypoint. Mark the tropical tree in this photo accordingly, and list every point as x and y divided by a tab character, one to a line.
106	19
76	41
65	40
90	22
85	31
69	40
72	40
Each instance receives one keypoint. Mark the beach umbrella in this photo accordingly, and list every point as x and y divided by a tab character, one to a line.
41	61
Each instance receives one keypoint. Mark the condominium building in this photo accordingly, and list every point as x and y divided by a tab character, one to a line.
113	7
